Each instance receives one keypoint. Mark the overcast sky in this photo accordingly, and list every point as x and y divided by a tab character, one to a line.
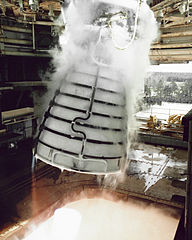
171	68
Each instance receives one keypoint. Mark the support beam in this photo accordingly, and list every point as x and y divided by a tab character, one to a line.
29	84
171	46
25	54
44	23
171	59
177	34
15	41
172	52
188	205
165	4
15	29
173	29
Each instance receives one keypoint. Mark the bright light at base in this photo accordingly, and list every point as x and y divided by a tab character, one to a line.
93	219
64	224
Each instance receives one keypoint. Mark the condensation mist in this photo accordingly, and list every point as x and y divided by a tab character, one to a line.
115	47
121	42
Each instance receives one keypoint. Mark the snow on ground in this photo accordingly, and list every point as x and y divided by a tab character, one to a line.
163	111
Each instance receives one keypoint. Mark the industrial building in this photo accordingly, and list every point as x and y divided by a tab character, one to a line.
68	130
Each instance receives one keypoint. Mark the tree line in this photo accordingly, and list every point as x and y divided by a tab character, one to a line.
158	91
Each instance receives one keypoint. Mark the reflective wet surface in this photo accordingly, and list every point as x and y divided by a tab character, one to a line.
154	163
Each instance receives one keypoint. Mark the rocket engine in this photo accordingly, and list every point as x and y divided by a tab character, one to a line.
85	126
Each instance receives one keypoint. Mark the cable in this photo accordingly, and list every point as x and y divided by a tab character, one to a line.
135	29
92	55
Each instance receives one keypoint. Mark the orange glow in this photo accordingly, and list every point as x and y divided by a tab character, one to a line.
105	219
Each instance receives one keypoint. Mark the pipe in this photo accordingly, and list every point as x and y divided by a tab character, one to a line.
33	35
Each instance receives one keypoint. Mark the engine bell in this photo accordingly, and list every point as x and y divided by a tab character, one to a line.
84	128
